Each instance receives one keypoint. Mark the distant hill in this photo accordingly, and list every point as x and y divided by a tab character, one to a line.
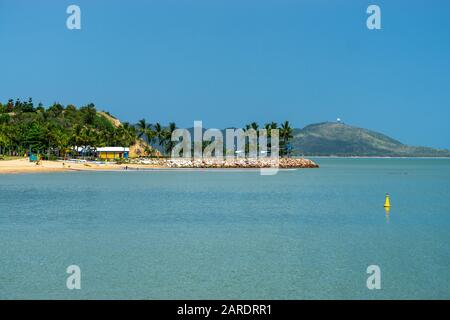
338	139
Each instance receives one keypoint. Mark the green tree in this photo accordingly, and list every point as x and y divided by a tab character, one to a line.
286	134
160	134
145	130
168	143
89	114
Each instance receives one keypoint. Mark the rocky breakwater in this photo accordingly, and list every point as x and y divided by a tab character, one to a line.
284	163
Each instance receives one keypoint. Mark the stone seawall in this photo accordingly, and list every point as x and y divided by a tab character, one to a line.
232	163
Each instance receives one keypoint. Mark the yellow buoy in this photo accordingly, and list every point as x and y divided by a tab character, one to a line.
387	203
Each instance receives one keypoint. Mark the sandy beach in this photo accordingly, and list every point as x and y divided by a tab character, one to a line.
25	166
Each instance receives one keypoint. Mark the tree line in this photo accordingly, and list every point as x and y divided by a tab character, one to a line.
55	131
286	133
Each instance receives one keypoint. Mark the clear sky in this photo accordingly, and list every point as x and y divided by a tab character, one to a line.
230	62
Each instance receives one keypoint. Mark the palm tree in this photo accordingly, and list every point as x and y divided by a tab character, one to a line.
286	134
83	137
169	144
129	128
141	128
126	134
160	134
131	131
254	126
145	130
75	139
269	127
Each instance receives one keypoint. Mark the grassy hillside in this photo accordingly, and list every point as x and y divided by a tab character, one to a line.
331	138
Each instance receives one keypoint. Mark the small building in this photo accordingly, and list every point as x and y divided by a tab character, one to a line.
83	152
112	153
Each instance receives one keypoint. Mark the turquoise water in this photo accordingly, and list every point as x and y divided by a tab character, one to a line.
301	234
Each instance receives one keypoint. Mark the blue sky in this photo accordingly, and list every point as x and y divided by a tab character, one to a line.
230	62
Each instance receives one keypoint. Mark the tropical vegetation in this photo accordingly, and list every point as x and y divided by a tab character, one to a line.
285	135
59	131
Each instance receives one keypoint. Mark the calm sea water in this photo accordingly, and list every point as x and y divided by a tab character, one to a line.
216	235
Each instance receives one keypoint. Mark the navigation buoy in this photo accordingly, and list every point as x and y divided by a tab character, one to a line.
387	203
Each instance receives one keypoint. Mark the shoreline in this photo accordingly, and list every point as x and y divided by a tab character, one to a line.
373	157
21	166
24	166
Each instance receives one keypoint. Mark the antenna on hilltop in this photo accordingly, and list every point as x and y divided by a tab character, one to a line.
338	120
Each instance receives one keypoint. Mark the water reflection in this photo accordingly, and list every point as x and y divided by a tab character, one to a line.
387	212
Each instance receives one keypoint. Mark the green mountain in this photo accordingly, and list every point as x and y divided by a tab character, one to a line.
338	139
